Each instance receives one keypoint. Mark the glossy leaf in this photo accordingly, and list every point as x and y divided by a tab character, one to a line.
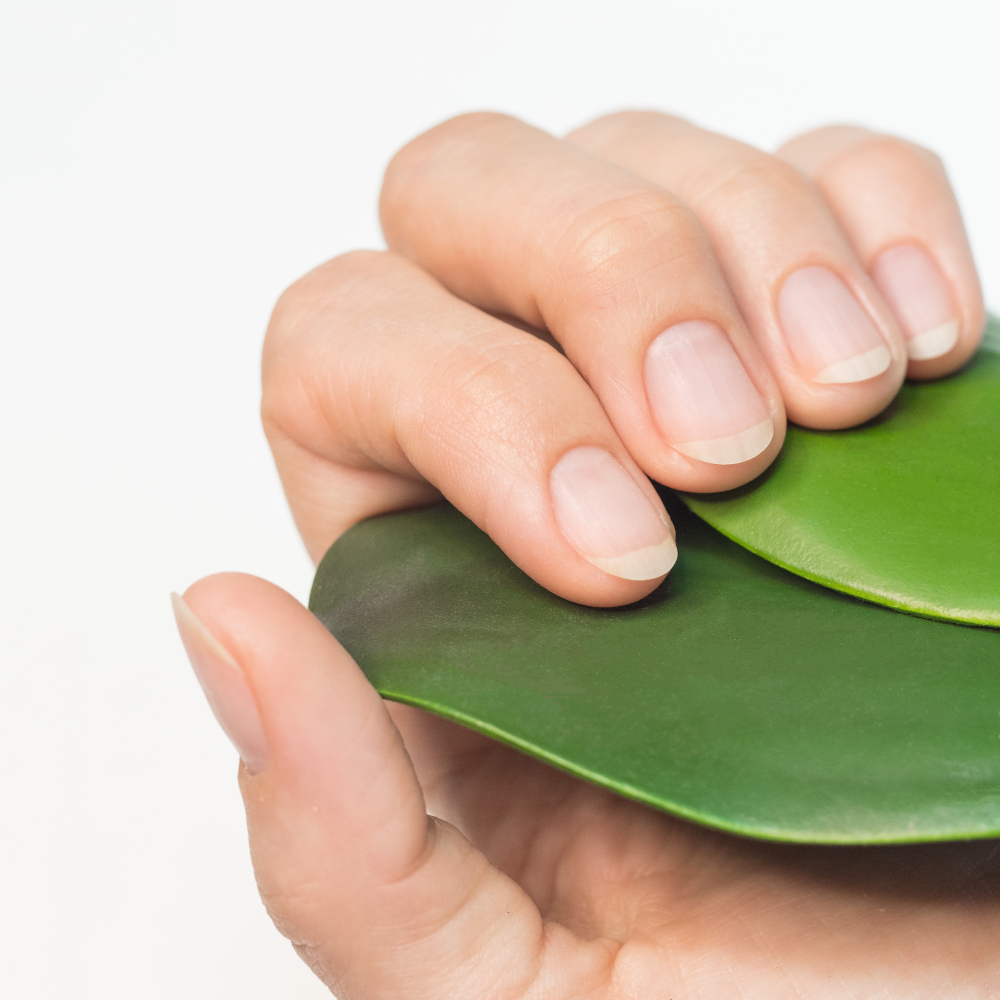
904	511
737	695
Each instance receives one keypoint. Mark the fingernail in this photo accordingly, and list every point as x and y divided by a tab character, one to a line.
606	517
828	333
918	294
225	687
702	398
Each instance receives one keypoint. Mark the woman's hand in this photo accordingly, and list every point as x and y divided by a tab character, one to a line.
685	290
530	884
556	321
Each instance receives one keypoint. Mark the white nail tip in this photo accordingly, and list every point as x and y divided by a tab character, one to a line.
730	450
858	368
934	342
643	564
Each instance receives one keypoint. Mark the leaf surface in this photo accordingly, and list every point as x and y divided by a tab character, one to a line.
904	510
737	695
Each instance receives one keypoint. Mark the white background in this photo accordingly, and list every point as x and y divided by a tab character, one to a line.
165	170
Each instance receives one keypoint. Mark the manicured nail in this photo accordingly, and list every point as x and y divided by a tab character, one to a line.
225	687
606	517
828	333
918	294
702	398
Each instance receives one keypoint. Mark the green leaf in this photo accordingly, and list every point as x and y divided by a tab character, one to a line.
737	695
904	510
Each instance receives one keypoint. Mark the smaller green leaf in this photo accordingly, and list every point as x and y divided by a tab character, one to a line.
904	510
737	694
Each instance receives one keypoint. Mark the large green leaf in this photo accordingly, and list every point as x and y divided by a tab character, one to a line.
738	695
904	510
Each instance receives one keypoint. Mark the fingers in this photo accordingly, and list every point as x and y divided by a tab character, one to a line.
616	268
378	382
829	339
381	390
894	203
375	895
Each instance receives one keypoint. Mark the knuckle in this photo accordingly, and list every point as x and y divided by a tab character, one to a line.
638	118
756	178
446	140
611	243
324	299
894	156
330	288
502	387
321	285
622	124
481	381
472	124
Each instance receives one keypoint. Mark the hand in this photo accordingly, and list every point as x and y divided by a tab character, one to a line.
549	327
573	893
697	291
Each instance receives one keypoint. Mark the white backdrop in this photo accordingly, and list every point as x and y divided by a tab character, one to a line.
165	170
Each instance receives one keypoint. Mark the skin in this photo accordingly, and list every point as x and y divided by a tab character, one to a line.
506	325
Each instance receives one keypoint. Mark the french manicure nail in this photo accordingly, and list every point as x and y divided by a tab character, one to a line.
917	293
225	687
828	333
702	398
606	517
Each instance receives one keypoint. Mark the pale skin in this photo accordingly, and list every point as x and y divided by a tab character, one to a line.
543	305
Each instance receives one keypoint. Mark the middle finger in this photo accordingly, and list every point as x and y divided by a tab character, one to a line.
829	338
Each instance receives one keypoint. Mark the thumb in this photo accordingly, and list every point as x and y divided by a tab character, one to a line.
380	899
